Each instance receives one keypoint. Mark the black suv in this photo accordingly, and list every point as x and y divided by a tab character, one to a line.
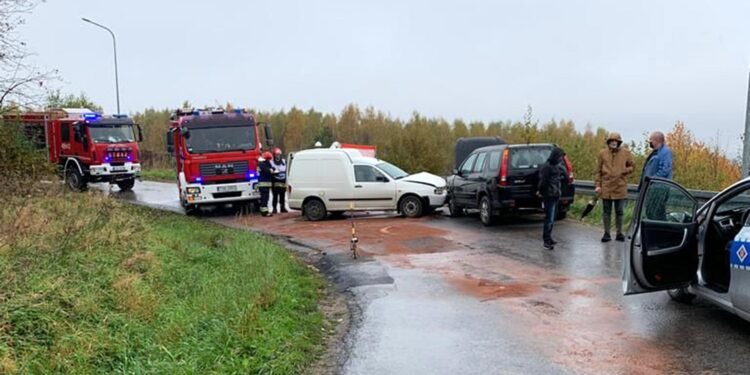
504	178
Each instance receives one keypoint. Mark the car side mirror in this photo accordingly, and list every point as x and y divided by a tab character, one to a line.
381	179
140	133
185	132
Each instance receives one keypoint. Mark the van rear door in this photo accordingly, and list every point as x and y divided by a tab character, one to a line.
523	172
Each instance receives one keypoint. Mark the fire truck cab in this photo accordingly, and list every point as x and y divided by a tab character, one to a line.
216	155
86	146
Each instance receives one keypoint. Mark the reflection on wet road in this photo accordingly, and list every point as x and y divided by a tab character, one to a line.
441	295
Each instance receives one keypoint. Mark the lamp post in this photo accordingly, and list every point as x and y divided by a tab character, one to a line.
114	45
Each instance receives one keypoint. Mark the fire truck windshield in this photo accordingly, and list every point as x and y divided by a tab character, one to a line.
217	138
111	133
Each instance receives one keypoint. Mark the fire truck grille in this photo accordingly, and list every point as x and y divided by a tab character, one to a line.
118	155
221	169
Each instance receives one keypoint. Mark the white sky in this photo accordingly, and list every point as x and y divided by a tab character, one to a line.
631	66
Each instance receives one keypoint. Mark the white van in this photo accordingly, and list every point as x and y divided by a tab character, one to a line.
323	181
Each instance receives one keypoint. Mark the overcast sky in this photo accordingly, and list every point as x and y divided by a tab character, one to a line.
631	66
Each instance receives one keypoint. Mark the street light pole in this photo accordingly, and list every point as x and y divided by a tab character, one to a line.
114	45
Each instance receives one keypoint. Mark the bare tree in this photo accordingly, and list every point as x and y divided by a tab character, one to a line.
21	83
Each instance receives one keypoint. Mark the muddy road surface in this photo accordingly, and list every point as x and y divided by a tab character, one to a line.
448	296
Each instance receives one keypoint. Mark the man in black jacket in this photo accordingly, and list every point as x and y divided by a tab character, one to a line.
265	172
550	186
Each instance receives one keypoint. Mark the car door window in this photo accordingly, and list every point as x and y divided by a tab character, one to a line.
366	173
479	164
667	203
494	162
468	164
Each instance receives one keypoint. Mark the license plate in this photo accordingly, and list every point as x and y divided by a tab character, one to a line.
226	188
119	169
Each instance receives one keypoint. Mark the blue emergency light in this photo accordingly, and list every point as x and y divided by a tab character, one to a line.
92	116
250	176
198	179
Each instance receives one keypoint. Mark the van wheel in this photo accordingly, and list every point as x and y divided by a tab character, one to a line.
126	185
411	206
453	210
485	211
681	295
74	179
314	210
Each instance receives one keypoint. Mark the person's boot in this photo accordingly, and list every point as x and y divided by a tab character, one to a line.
274	211
620	237
549	246
553	242
606	237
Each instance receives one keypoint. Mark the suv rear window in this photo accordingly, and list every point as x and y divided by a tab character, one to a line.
528	158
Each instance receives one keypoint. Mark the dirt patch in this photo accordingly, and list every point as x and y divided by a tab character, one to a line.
487	290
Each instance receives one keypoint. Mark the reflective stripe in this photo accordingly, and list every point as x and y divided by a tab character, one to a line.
279	185
265	184
264	209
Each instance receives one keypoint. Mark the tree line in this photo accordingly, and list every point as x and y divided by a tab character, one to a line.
423	143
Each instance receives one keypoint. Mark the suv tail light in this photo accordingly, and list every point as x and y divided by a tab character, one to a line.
569	167
504	168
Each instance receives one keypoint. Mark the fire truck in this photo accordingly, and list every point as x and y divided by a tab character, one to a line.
216	154
86	146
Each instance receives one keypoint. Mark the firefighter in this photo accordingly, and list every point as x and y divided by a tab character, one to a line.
279	180
265	183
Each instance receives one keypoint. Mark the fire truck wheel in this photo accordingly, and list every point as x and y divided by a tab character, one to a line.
126	185
190	209
75	180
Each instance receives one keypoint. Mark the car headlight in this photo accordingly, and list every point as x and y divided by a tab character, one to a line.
193	190
440	190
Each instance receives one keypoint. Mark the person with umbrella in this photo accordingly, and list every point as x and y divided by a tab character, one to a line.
615	164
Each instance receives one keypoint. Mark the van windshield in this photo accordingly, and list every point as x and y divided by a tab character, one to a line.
529	158
391	170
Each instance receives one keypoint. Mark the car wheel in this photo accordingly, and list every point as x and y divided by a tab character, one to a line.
75	180
126	185
453	209
314	210
411	206
681	295
485	211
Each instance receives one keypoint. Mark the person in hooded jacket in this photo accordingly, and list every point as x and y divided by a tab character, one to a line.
614	166
279	181
265	183
550	188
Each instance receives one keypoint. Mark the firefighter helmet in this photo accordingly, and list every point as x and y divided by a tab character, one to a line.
267	155
277	151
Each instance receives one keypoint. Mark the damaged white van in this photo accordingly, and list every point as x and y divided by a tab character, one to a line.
323	181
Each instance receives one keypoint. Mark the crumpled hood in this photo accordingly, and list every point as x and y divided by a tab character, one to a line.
425	178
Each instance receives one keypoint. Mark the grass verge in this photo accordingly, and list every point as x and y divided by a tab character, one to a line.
93	285
595	217
162	175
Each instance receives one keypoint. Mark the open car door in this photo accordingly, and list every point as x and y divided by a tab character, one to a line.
662	248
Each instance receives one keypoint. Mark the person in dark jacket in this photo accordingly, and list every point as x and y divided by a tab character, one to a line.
265	183
279	181
550	188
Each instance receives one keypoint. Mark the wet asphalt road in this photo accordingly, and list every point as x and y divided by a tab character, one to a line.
446	296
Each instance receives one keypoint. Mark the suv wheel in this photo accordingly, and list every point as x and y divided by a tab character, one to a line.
314	210
485	211
453	210
411	206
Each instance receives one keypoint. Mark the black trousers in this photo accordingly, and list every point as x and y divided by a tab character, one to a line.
607	214
279	197
265	193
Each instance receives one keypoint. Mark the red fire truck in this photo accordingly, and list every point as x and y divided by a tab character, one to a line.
86	146
216	155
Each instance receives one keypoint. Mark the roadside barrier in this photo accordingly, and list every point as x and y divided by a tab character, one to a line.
584	187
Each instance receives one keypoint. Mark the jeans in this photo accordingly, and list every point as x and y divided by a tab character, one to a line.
607	214
550	211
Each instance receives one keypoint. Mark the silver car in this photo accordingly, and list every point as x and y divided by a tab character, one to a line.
690	250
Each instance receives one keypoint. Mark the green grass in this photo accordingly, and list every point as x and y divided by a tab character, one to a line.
89	285
595	217
164	175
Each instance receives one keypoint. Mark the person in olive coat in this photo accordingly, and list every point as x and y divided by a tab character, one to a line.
614	166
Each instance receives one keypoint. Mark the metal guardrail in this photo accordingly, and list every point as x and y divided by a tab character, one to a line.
584	187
